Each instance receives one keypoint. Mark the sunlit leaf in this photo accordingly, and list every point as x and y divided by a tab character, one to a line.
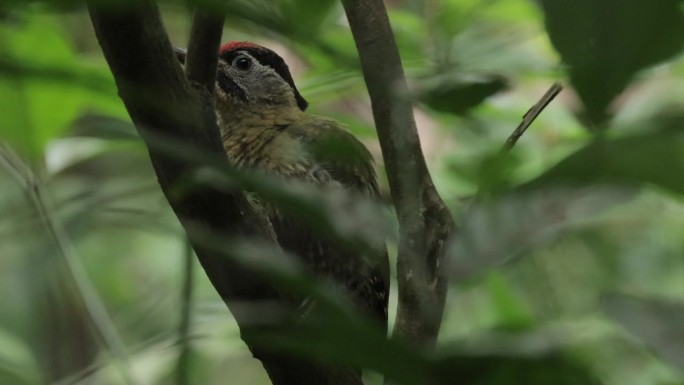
44	85
66	75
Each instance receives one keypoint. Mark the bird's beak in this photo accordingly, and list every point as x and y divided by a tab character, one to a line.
181	54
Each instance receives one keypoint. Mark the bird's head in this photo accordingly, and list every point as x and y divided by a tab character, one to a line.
252	83
252	74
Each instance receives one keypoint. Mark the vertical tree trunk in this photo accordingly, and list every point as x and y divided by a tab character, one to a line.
424	221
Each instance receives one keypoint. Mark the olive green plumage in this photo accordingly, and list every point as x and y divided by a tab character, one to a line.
264	127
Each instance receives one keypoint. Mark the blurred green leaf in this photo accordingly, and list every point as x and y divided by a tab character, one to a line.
107	195
333	331
337	339
17	364
449	17
306	15
492	172
459	95
104	127
331	212
498	232
656	322
295	19
512	312
604	43
44	85
655	158
498	369
409	29
69	75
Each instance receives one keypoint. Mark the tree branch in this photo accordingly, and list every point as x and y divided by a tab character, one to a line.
163	105
183	363
424	221
532	114
200	70
205	38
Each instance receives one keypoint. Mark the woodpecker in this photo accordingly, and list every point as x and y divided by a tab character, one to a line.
264	127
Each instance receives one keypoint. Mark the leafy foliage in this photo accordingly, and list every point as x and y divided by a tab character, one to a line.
563	219
655	321
606	43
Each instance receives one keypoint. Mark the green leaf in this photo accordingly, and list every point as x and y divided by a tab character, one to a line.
294	19
494	233
307	15
491	171
499	369
655	158
604	43
461	94
104	127
512	313
656	322
333	331
499	232
17	364
43	86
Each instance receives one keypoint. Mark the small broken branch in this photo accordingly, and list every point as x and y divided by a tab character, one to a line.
532	114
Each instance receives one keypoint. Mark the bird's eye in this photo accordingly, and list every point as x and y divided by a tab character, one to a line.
243	63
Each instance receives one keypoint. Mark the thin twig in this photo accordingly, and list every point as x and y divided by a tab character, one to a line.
13	165
532	114
200	70
183	364
94	305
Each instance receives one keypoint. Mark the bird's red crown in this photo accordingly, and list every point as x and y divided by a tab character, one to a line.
235	45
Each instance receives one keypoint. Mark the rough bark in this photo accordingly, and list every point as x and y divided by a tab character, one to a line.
424	221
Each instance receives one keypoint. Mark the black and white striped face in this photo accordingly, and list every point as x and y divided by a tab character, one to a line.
251	76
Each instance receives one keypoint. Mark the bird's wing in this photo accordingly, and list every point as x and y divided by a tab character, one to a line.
343	156
348	162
